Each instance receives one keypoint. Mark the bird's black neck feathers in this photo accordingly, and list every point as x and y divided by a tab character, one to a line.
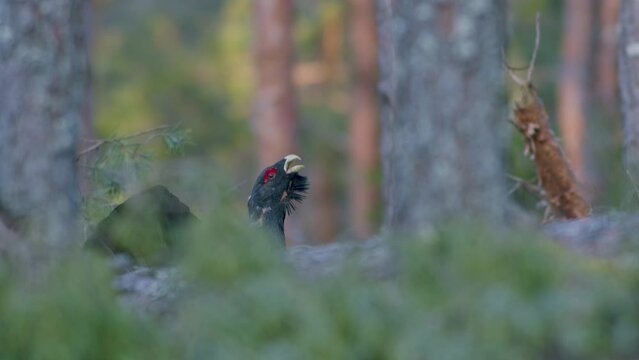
273	198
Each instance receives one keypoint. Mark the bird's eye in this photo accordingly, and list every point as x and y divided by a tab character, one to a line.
270	174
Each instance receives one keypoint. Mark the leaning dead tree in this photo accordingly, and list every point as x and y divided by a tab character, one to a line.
43	69
556	176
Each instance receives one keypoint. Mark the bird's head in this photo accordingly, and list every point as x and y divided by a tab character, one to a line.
275	192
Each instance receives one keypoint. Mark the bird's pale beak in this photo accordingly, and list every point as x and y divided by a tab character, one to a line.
292	163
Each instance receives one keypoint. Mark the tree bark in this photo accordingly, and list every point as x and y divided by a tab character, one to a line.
43	69
575	51
87	129
607	53
274	113
364	129
629	81
560	188
441	86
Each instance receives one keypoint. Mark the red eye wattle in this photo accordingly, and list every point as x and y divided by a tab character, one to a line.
269	174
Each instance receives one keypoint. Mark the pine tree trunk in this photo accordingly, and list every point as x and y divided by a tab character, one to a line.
322	226
607	53
43	69
629	82
274	112
572	93
364	128
442	118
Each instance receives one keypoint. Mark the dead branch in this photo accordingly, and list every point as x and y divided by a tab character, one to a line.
526	185
533	58
555	175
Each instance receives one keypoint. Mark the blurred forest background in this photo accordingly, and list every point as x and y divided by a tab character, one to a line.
191	63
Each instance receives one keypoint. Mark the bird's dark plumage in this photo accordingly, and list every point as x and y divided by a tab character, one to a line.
275	192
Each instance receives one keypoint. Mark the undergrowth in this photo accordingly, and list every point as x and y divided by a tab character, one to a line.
463	292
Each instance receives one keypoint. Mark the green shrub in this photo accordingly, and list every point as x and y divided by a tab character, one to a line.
464	292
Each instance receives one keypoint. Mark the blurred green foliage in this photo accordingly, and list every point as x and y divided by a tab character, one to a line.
73	314
463	292
165	64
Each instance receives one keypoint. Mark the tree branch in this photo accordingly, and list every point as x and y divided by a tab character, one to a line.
153	132
533	59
